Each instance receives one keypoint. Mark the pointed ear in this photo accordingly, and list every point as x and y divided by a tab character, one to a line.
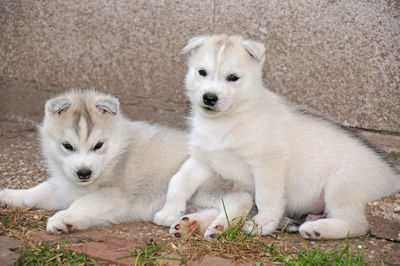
57	106
194	43
255	49
109	105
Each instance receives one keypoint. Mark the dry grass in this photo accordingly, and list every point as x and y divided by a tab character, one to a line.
233	245
243	250
21	223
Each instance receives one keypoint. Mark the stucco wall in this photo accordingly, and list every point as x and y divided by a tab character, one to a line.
341	58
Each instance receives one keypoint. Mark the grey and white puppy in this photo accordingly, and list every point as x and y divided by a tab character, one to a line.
106	169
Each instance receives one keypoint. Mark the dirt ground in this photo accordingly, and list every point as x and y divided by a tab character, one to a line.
21	167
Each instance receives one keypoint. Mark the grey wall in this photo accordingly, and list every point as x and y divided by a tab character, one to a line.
341	58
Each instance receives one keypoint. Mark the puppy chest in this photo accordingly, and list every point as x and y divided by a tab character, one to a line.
230	166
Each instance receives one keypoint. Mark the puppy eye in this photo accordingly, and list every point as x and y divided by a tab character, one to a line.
98	145
203	72
232	77
68	146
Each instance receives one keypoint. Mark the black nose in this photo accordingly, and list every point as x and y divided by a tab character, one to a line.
84	174
210	98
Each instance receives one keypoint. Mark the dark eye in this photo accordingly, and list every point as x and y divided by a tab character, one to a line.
98	145
68	146
232	77
203	72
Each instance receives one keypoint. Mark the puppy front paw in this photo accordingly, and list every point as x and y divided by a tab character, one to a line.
167	217
184	227
66	222
13	197
213	231
57	225
260	225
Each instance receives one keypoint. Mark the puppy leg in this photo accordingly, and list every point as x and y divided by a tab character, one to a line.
237	205
269	196
344	206
332	228
181	187
42	196
98	208
195	223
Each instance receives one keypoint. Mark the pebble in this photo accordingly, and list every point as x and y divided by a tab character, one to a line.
397	209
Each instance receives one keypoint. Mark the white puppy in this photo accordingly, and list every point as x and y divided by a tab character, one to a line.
298	164
106	169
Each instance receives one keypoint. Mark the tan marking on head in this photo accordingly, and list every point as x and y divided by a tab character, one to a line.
222	49
83	122
219	58
83	129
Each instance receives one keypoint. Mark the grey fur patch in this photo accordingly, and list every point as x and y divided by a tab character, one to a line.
110	106
59	105
369	145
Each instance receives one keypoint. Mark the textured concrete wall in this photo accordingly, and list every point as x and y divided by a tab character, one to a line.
341	58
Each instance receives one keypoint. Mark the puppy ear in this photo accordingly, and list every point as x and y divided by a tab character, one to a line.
194	43
110	105
56	106
255	49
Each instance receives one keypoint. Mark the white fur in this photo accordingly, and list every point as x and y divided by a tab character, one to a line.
130	172
295	162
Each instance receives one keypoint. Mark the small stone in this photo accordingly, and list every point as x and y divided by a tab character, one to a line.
383	217
7	256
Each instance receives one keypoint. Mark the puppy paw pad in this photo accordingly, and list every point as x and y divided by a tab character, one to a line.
183	228
219	228
213	235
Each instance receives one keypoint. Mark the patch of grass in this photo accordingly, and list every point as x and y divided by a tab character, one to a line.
278	256
21	223
338	255
149	256
57	254
234	232
236	245
233	244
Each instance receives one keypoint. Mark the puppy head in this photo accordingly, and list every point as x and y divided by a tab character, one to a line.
77	135
223	71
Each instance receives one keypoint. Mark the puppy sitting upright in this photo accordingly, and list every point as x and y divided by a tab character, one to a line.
298	164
